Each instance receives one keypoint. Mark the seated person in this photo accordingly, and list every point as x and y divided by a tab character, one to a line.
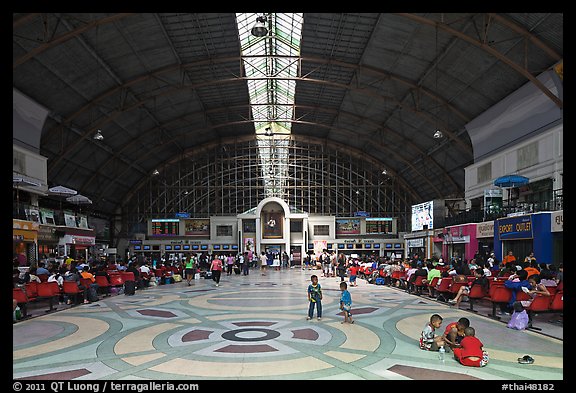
428	338
464	290
454	332
471	352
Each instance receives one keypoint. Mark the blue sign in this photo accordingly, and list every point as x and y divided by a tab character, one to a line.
361	214
519	227
182	215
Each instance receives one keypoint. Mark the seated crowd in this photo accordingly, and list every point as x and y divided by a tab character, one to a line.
85	275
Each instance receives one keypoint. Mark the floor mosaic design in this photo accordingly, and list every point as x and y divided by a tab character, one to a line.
254	328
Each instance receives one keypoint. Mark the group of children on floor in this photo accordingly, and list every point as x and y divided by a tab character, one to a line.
459	337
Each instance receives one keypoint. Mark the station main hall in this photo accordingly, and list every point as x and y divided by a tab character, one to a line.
287	196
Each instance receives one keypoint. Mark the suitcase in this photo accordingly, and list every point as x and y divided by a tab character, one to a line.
237	269
129	288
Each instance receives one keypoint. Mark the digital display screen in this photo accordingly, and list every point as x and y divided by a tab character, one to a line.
225	247
378	225
165	227
377	245
329	246
216	246
340	246
136	248
178	247
204	247
146	247
234	247
367	245
167	247
388	245
349	245
186	247
195	247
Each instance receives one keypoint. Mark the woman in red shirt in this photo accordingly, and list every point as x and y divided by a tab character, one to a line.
471	352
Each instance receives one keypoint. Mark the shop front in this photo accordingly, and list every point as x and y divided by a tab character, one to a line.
460	241
76	243
25	242
47	241
524	234
419	243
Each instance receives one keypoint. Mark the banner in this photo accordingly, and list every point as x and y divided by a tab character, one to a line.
197	227
347	226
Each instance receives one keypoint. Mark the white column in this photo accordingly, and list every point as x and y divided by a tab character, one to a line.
258	239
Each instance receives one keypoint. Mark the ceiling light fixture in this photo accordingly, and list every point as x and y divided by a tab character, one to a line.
438	134
268	131
259	29
155	172
98	136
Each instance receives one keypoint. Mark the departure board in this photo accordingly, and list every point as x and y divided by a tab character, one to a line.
165	228
378	226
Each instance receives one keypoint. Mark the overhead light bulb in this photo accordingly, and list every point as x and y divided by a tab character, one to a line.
259	29
155	172
438	134
98	136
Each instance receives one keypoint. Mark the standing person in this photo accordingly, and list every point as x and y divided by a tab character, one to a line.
346	302
189	270
353	269
216	269
314	298
230	262
245	261
263	262
471	352
341	267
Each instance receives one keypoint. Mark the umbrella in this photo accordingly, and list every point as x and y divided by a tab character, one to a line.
61	190
79	199
510	181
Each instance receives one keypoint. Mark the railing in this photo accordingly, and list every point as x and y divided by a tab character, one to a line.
514	207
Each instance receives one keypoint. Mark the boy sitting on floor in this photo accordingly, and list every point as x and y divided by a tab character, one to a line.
471	352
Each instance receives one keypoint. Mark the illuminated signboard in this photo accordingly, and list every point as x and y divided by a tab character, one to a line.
165	227
378	225
422	215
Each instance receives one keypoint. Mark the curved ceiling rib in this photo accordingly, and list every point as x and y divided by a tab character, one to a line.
298	138
408	187
118	152
487	48
66	36
183	67
466	148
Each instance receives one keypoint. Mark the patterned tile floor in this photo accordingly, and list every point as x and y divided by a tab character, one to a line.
254	328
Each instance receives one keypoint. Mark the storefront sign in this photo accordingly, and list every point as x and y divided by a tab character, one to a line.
485	229
413	243
557	221
515	228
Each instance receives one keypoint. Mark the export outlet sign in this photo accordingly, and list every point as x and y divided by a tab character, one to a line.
515	228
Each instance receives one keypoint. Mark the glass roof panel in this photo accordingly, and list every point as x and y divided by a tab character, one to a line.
271	66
